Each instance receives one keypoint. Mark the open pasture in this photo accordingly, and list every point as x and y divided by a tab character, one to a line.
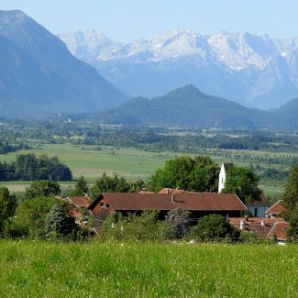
135	163
40	269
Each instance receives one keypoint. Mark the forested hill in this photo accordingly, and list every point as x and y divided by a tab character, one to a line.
39	76
189	107
186	106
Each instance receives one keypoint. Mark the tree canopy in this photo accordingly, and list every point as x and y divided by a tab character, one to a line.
192	174
31	167
213	227
30	217
290	196
110	184
244	183
58	223
42	188
7	206
81	187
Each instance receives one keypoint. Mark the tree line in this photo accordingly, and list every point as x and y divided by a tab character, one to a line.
30	167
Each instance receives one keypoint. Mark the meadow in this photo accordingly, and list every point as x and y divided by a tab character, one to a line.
136	163
40	269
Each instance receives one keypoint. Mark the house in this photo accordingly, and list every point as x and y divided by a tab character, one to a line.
79	208
223	175
270	228
258	208
199	204
279	232
276	209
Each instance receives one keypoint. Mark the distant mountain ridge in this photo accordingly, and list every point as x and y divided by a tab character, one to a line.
39	76
188	107
256	71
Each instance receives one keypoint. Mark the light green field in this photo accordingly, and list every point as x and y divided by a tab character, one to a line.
86	161
31	269
128	162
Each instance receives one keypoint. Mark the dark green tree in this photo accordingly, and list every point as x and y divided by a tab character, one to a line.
7	206
81	187
214	227
107	184
198	174
290	196
136	186
58	223
244	183
293	221
204	176
29	219
42	188
178	220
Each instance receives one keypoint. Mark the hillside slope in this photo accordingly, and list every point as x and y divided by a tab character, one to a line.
186	106
39	76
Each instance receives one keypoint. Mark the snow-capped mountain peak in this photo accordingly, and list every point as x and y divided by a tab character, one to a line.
251	69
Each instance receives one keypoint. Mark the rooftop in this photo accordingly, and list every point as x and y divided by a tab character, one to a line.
167	201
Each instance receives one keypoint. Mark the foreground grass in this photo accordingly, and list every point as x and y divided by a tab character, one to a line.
31	269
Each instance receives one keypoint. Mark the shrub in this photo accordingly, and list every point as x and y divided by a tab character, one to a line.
42	188
7	206
58	223
29	220
144	227
178	220
214	227
293	228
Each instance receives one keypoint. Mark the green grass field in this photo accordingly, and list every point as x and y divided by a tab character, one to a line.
128	162
30	269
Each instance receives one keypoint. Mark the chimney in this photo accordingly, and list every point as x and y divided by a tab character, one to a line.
172	198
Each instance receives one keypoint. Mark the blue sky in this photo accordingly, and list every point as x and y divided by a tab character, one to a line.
126	20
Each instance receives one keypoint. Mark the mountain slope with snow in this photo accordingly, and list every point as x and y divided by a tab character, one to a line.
256	71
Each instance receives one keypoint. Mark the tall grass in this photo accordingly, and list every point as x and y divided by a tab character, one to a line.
29	269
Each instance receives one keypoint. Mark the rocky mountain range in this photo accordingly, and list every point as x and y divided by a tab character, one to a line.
256	71
39	76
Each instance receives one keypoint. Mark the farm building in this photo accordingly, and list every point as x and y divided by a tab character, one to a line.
258	208
276	209
271	228
199	204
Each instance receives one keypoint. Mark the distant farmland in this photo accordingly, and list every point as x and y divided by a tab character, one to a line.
135	163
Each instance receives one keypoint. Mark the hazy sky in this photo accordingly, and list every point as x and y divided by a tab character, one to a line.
134	19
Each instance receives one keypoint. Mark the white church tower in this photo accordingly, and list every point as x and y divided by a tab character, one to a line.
223	176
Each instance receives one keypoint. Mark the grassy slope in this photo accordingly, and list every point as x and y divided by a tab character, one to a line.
147	270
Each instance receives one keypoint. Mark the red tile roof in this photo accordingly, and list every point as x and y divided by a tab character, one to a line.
171	190
277	208
73	212
183	200
258	225
264	201
80	201
279	231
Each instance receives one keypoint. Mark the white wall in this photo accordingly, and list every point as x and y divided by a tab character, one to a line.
222	178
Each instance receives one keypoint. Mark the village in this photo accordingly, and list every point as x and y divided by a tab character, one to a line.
255	217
